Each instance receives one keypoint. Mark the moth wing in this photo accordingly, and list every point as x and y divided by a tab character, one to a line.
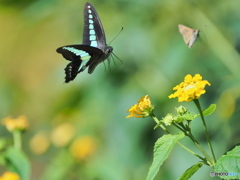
189	35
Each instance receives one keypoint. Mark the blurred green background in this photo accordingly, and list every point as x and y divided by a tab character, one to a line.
155	59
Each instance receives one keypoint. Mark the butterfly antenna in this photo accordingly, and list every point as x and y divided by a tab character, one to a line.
109	64
116	57
116	36
112	59
105	66
203	35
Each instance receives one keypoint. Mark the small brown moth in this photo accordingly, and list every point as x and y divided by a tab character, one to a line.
189	35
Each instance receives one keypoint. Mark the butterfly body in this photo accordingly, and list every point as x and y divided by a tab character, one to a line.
189	35
93	49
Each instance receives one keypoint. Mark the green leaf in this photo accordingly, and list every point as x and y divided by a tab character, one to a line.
188	116
19	162
229	163
162	149
189	172
209	110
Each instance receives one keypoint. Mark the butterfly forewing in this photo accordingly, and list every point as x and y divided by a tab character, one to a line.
93	34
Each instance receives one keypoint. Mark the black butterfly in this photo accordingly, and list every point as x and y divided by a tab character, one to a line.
92	51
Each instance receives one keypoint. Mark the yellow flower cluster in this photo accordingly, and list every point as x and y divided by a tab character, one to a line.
192	88
20	123
40	143
9	176
83	147
143	109
62	134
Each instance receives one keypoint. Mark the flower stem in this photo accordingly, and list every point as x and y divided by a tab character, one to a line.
205	128
184	147
182	128
17	139
157	121
189	134
193	153
152	115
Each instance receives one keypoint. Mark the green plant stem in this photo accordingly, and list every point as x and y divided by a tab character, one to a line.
189	134
184	147
17	139
154	118
205	128
158	122
193	153
181	128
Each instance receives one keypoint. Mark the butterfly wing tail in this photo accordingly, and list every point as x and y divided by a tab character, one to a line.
71	70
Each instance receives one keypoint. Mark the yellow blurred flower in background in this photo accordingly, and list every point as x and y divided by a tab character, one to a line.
83	147
20	123
9	176
192	88
62	134
40	143
143	109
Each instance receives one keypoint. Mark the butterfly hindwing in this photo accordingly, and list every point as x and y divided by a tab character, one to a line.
81	56
71	70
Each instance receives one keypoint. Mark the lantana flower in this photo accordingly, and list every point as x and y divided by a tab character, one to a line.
83	147
20	123
192	88
144	108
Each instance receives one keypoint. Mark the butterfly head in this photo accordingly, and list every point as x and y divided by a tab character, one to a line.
107	51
